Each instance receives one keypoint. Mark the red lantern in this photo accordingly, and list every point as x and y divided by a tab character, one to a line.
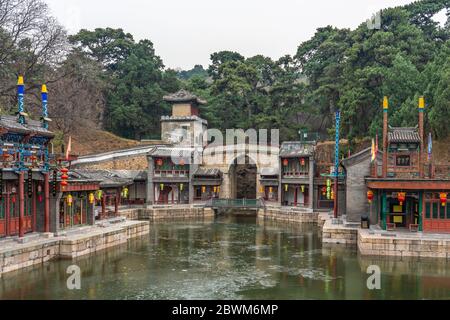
370	196
285	162
443	198
324	191
302	161
159	162
13	199
401	196
64	170
64	177
64	183
40	198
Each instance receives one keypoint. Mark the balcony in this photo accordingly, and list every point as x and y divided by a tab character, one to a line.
295	174
171	173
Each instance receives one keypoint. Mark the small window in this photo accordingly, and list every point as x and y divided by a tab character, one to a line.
448	210
428	210
442	210
435	210
403	161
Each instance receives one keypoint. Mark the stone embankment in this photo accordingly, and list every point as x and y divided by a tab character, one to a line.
38	249
289	214
155	213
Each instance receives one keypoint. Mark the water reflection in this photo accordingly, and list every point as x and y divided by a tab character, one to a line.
231	258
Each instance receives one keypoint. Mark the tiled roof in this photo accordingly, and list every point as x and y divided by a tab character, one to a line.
408	135
12	124
206	172
269	172
183	96
296	149
108	179
171	152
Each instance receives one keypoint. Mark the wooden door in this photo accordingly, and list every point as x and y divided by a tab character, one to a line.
2	217
437	217
13	226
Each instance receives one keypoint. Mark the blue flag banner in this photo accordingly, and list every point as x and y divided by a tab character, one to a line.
430	146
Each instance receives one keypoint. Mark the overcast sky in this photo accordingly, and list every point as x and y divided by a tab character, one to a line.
186	32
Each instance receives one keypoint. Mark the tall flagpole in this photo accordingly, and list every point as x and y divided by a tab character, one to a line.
336	165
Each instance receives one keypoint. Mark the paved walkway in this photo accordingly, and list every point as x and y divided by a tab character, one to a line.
31	239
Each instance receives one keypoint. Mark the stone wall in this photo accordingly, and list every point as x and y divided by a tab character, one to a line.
403	246
16	256
185	212
27	255
339	234
288	214
89	243
138	162
356	190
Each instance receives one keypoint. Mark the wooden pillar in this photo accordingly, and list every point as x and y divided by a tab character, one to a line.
421	135
103	206
33	205
116	203
21	204
295	196
385	136
384	209
7	213
421	206
46	202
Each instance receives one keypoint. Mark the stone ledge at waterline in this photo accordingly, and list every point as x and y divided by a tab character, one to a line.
288	214
171	213
339	234
417	245
15	256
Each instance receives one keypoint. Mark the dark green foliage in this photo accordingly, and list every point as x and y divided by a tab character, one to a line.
137	80
197	71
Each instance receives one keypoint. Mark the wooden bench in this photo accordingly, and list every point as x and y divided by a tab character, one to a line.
390	226
414	228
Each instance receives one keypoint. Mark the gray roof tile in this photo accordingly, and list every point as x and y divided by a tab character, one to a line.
406	135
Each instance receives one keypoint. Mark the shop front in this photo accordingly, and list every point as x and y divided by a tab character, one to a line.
401	210
33	204
437	212
270	193
415	205
73	210
172	193
205	193
295	195
75	204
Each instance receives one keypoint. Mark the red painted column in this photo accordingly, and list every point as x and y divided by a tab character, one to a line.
422	143
385	136
7	214
116	203
46	203
33	206
295	196
21	205
103	206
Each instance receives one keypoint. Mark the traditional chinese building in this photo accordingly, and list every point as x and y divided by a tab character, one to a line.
24	175
297	174
171	178
409	193
35	193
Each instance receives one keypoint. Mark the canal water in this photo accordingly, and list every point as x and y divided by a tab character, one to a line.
231	258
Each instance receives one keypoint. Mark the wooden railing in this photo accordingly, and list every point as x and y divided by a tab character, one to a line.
171	173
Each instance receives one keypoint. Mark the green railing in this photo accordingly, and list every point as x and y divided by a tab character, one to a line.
235	203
